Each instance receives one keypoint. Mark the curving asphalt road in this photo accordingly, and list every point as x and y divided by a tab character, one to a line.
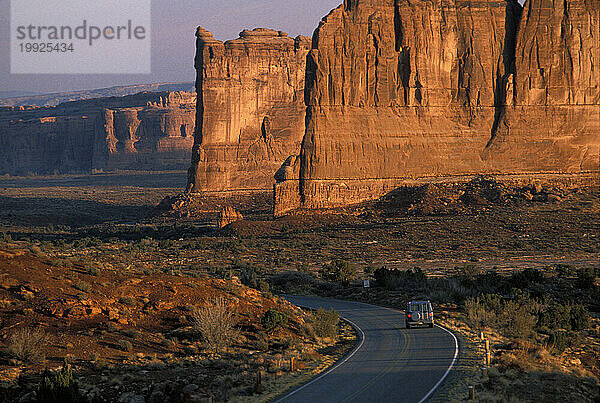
389	364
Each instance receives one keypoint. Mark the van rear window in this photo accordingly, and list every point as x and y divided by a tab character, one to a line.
420	307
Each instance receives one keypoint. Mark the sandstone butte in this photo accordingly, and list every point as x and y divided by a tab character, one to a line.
146	131
250	109
398	90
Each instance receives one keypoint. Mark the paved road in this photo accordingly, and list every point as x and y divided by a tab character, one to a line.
390	364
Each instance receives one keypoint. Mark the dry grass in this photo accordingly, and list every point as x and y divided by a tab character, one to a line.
28	345
216	324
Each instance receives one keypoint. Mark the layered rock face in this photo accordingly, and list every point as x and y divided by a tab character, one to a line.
399	90
146	131
552	113
250	109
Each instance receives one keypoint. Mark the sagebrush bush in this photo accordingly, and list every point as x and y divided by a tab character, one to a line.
556	316
59	387
125	345
579	317
526	277
513	318
127	300
262	341
414	278
557	342
28	345
340	271
477	314
517	322
325	323
83	286
586	278
273	319
216	324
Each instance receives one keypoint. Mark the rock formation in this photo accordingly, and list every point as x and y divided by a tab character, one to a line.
147	131
401	89
228	216
250	109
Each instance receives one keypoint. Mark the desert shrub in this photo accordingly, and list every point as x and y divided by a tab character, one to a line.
396	279
83	286
128	300
247	275
325	322
28	345
470	270
59	387
165	243
579	317
477	314
131	333
126	345
224	273
303	267
513	318
273	319
262	341
264	287
37	251
293	282
586	278
216	324
557	342
555	316
93	269
307	331
340	271
517	321
526	277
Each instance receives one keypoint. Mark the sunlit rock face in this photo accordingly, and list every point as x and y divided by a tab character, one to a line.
552	117
146	131
250	110
410	89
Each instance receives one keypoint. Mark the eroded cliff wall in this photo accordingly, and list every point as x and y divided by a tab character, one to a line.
398	90
147	131
250	109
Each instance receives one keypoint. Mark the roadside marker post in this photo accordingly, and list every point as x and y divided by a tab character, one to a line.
471	393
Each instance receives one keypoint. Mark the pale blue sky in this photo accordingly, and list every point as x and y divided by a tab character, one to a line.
173	26
173	42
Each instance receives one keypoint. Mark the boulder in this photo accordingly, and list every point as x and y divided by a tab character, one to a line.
229	215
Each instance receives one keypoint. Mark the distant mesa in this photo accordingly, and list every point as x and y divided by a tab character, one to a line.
145	131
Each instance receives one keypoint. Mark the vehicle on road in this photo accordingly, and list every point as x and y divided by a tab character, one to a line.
419	313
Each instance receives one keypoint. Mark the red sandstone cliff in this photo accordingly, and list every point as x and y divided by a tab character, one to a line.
399	89
251	108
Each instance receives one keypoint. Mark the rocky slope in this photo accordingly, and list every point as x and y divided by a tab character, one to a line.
147	131
250	106
398	90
